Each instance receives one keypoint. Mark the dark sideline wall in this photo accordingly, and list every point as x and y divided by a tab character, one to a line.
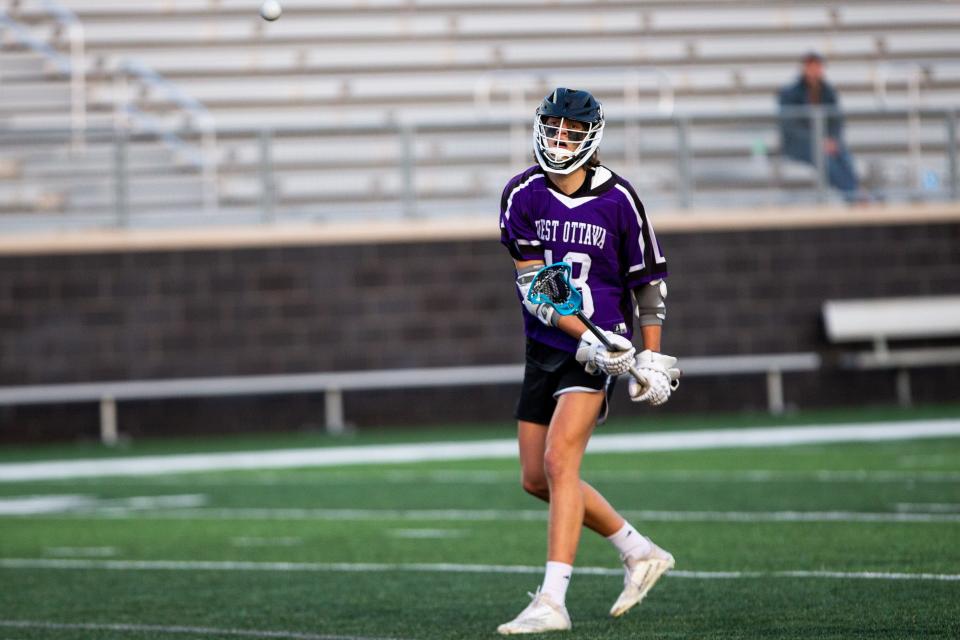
125	315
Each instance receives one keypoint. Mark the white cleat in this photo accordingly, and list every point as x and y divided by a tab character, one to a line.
641	575
543	614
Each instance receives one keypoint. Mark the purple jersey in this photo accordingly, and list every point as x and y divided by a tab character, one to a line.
601	230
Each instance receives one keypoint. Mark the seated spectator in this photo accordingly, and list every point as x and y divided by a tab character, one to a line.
796	127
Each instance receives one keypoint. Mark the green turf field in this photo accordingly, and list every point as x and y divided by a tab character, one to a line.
858	540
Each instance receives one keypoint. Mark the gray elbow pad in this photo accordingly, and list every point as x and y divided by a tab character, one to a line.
651	306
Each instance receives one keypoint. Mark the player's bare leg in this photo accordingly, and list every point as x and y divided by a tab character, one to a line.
599	515
573	422
563	447
644	562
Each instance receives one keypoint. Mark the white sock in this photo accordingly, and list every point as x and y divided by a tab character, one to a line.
630	543
556	581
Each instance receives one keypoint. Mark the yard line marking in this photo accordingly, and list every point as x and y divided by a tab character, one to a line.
155	502
39	505
200	631
790	516
510	477
441	567
81	552
924	460
470	450
35	505
426	534
870	575
767	475
453	476
929	507
249	541
515	515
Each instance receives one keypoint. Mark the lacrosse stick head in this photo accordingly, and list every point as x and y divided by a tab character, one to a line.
551	285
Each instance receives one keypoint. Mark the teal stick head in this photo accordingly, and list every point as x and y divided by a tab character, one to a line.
551	285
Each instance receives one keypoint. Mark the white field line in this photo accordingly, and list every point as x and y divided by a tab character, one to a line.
250	541
502	515
205	632
346	567
453	476
39	505
426	534
421	452
81	552
929	507
34	505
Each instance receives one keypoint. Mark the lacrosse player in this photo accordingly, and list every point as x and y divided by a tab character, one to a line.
570	208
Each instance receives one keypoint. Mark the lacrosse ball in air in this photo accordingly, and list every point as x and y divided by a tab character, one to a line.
270	10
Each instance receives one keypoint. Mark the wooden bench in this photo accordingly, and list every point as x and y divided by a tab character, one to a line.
882	320
333	385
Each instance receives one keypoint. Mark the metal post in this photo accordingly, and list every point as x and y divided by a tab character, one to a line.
775	392
408	196
818	127
631	128
952	176
267	193
121	185
904	395
684	174
333	410
519	129
108	421
666	101
209	170
78	87
913	128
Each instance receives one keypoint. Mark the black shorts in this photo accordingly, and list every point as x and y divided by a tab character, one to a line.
548	374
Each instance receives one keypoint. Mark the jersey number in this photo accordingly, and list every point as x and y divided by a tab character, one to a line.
578	277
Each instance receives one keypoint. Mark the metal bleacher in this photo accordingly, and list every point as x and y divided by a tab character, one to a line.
340	87
185	112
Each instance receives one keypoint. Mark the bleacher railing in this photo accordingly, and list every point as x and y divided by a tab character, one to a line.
129	116
684	161
74	65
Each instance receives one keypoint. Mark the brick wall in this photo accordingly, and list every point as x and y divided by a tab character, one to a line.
158	314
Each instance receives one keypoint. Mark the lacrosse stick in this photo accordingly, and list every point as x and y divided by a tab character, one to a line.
551	285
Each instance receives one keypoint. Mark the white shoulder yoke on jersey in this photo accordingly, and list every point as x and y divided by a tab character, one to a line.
600	176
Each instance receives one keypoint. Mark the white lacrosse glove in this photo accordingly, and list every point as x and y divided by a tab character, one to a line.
596	358
542	312
661	374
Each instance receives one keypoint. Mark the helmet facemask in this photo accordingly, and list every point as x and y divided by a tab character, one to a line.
563	147
567	130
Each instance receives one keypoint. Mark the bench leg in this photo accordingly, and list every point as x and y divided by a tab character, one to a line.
108	421
333	410
775	402
904	394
